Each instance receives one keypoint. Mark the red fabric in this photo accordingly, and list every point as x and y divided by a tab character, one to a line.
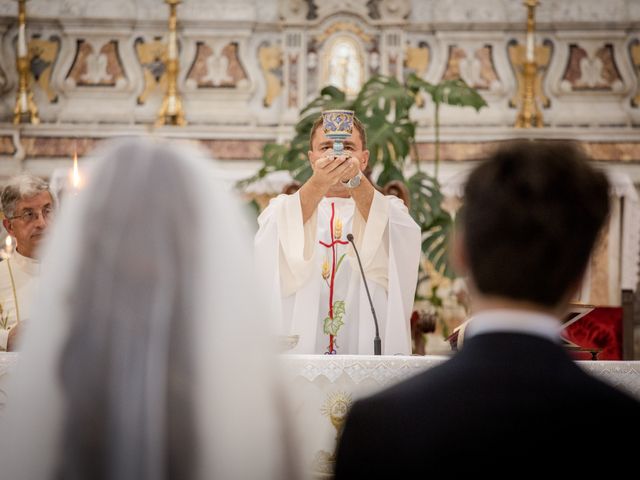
600	328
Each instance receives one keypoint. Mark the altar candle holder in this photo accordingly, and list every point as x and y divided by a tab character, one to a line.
171	111
25	110
530	114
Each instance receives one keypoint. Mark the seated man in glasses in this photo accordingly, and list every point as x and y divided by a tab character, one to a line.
28	205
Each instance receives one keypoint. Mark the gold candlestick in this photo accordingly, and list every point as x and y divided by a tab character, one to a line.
530	114
171	112
25	110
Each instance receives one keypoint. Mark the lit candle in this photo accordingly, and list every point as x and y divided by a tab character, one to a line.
22	41
75	177
530	47
173	46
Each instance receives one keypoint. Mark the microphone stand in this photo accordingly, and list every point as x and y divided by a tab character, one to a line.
377	344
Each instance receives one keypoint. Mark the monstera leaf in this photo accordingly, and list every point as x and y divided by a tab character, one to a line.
426	199
458	93
436	224
389	144
383	96
297	159
436	239
383	107
451	92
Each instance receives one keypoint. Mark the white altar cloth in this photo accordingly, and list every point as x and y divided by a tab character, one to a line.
321	388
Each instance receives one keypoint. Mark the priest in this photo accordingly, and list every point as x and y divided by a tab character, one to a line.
28	205
311	271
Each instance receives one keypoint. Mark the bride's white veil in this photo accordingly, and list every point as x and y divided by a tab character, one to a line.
146	357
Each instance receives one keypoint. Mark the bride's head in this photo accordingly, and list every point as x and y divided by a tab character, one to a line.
143	340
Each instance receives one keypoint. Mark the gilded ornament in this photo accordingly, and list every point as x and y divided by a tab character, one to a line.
270	58
152	57
335	407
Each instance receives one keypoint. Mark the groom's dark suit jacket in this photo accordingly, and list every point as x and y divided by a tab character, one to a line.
507	405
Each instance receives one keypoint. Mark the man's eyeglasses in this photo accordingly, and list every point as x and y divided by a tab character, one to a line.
29	215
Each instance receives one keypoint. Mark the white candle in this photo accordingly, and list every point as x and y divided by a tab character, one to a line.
24	104
173	46
530	46
22	41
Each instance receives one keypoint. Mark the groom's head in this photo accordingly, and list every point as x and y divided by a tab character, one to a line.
531	216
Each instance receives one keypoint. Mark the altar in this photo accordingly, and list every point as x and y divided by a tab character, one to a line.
321	389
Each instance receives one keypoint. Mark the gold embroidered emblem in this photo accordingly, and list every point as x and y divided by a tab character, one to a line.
335	407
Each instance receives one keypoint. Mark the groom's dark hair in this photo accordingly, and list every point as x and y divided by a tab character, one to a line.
531	216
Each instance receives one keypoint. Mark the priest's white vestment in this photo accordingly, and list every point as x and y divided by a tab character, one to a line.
18	276
313	280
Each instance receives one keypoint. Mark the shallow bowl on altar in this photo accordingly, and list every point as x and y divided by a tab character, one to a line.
287	342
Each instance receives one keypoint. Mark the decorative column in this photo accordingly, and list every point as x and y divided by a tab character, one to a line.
25	110
171	112
530	115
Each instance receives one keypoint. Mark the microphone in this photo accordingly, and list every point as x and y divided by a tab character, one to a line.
377	345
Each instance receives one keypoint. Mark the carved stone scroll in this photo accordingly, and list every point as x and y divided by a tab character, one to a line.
476	68
96	65
217	65
42	57
591	71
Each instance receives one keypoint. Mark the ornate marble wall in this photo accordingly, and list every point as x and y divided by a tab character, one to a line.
247	67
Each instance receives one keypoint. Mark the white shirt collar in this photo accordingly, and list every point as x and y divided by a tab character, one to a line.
514	321
338	200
